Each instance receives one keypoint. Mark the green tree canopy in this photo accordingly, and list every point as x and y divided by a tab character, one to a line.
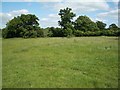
20	26
66	21
101	25
84	23
66	17
113	26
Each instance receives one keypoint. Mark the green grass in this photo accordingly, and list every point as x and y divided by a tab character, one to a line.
83	62
0	63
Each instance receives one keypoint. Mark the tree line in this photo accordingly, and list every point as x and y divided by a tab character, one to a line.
27	26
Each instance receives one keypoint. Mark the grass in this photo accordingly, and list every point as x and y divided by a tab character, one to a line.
0	63
83	62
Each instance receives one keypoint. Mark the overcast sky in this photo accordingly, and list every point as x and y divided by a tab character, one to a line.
47	12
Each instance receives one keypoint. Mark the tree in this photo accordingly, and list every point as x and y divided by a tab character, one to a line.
101	25
113	30
66	17
84	23
113	26
22	26
66	21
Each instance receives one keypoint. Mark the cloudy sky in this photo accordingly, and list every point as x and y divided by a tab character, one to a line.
47	10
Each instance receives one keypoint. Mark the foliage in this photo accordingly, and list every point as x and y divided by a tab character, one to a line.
113	26
22	26
84	23
67	32
55	32
66	17
27	26
78	33
66	21
46	32
110	32
101	25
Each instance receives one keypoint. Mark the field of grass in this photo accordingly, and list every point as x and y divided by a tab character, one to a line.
0	63
83	62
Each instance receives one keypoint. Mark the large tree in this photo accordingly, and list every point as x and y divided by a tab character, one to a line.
101	25
66	17
66	21
22	26
84	23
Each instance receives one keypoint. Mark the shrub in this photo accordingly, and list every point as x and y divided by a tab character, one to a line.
39	33
67	32
78	33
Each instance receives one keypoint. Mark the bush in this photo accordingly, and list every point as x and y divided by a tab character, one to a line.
40	33
78	33
55	32
109	33
46	32
30	34
98	33
67	32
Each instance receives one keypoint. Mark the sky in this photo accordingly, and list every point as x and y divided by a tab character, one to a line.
47	10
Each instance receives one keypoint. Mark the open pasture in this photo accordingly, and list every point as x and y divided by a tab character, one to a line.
78	62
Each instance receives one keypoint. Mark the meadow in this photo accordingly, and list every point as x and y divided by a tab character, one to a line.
77	62
0	63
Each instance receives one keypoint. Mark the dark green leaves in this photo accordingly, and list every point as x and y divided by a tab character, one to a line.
22	26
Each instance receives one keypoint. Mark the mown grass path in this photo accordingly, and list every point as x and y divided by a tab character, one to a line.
82	62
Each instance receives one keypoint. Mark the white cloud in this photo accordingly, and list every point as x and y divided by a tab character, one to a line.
50	20
8	16
51	17
114	0
54	16
60	0
110	14
16	13
44	19
82	6
31	0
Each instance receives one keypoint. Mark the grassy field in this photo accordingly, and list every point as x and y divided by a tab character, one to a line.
0	63
84	62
